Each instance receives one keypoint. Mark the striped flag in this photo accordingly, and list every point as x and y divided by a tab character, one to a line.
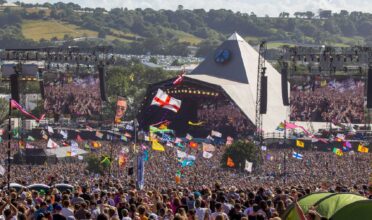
297	155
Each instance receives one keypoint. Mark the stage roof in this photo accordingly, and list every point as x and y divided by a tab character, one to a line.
238	78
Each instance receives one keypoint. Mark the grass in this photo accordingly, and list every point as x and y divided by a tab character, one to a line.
40	29
185	37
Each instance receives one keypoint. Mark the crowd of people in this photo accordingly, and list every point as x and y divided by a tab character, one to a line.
205	190
77	97
225	116
342	102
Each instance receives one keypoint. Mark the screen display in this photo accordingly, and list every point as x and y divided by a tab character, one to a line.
76	95
339	100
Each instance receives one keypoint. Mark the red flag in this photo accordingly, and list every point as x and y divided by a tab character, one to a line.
179	78
193	144
230	162
79	139
16	105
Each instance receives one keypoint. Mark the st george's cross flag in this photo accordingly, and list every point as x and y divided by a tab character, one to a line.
163	100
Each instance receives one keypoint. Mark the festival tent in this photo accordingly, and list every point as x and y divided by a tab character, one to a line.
230	71
357	210
238	78
306	203
328	205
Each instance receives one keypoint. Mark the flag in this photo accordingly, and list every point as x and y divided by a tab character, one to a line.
269	157
129	127
157	146
207	155
338	151
2	132
140	171
99	134
30	138
351	152
121	160
106	161
280	127
163	100
177	140
186	163
80	157
229	141
74	148
216	134
362	148
300	143
169	144
263	148
68	153
64	134
121	108
181	154
166	138
127	135
50	130
179	78
21	144
52	144
15	132
2	170
297	155
200	123
178	177
96	144
193	144
29	146
79	139
347	144
208	147
230	162
1	139
160	130
16	105
123	138
323	83
146	155
248	166
188	137
89	128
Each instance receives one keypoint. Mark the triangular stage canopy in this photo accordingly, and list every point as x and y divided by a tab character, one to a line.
231	72
237	75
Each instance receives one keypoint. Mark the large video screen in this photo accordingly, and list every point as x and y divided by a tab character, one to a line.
77	95
339	100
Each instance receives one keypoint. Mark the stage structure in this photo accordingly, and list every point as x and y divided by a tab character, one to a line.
221	94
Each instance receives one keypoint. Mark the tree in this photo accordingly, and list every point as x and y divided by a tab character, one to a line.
241	151
180	8
153	60
3	2
309	14
4	109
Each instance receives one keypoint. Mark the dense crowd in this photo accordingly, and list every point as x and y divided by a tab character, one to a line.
226	117
327	104
205	191
79	97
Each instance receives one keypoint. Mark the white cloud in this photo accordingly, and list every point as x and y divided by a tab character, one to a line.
259	7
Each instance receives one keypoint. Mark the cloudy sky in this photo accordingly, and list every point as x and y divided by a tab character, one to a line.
260	7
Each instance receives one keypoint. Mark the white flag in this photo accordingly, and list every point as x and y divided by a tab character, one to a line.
181	154
207	154
50	130
263	148
216	134
163	100
74	148
248	166
80	157
2	170
29	146
64	134
52	144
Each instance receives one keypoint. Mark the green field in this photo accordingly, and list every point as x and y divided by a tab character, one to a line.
48	29
40	29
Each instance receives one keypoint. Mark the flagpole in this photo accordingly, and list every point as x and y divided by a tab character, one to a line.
9	140
284	156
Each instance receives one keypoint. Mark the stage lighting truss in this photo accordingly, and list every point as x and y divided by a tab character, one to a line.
326	60
192	91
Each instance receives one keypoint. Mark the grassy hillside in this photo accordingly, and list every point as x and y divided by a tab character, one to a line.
41	29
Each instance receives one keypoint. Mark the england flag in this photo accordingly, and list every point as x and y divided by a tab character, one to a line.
163	100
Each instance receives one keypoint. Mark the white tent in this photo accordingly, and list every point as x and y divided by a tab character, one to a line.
238	78
61	152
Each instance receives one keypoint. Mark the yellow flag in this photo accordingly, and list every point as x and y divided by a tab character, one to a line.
323	83
362	148
157	146
196	123
300	143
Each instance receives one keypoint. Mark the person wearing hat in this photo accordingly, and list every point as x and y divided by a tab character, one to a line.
57	213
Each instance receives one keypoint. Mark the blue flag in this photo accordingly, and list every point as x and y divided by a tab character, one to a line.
140	171
297	155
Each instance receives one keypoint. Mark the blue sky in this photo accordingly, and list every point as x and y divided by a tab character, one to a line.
260	7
